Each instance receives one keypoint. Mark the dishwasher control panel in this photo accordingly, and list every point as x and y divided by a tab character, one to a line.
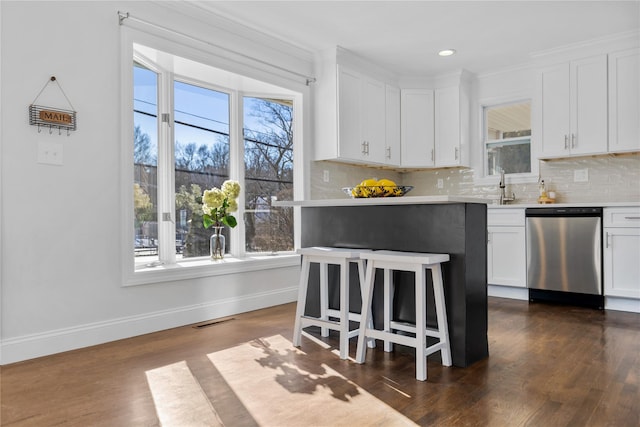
563	212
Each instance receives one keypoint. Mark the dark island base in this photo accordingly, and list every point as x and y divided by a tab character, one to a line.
459	229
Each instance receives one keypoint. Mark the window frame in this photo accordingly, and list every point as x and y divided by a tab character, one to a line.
481	177
238	261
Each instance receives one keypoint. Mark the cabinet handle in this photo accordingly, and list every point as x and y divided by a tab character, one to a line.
388	152
367	147
488	238
573	140
632	217
606	240
566	142
456	153
432	156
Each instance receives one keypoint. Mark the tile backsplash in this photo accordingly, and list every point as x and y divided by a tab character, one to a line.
611	178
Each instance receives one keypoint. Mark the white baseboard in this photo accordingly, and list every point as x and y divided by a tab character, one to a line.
611	303
508	292
31	346
622	304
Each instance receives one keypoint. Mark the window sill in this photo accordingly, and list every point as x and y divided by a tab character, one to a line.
205	267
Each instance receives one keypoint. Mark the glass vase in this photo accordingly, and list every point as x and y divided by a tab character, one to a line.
217	244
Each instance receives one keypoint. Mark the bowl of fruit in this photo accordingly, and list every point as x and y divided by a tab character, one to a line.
377	188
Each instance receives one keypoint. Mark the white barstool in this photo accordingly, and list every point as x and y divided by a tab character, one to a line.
326	256
417	263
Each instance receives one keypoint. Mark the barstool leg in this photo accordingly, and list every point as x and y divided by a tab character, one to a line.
302	301
421	324
441	314
344	309
371	342
365	319
389	290
324	297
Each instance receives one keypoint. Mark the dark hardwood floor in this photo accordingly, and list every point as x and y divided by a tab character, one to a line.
549	365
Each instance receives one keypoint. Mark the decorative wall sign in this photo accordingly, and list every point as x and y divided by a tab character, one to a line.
52	117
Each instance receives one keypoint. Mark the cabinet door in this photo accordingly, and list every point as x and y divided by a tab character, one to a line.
621	266
417	128
624	101
589	106
506	256
554	96
373	120
392	128
447	126
350	142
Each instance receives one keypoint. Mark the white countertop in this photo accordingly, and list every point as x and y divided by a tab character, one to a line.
425	200
566	205
406	200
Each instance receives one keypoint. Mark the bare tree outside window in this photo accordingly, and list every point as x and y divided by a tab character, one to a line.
268	152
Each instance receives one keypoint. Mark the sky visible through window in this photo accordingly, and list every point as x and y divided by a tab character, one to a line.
193	104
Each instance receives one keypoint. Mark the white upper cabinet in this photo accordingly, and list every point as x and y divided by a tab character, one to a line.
624	101
573	99
417	128
352	124
451	126
373	110
351	144
392	121
435	127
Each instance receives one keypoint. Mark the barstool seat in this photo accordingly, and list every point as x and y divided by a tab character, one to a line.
417	263
326	256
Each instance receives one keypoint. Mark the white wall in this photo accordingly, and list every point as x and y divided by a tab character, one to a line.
60	277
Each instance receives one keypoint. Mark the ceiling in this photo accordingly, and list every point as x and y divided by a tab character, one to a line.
405	36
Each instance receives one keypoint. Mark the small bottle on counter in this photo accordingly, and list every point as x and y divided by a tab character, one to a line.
543	193
543	190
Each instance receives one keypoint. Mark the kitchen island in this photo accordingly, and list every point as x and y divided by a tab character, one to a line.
436	224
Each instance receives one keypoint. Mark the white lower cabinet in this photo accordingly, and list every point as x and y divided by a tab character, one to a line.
622	252
506	248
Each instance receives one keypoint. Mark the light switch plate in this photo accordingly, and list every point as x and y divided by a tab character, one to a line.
325	175
581	175
440	183
50	153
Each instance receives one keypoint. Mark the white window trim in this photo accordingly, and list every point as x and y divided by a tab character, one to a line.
513	178
236	262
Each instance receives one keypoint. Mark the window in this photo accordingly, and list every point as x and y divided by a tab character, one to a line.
201	160
196	126
507	138
268	174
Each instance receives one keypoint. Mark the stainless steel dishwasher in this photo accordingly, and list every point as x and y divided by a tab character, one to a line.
564	255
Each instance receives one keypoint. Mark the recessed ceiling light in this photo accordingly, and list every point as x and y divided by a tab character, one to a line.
447	52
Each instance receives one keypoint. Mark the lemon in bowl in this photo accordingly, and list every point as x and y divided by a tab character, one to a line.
368	188
387	187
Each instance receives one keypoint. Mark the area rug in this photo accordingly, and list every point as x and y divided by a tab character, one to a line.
279	385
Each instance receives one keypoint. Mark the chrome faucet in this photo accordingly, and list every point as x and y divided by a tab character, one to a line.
503	196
